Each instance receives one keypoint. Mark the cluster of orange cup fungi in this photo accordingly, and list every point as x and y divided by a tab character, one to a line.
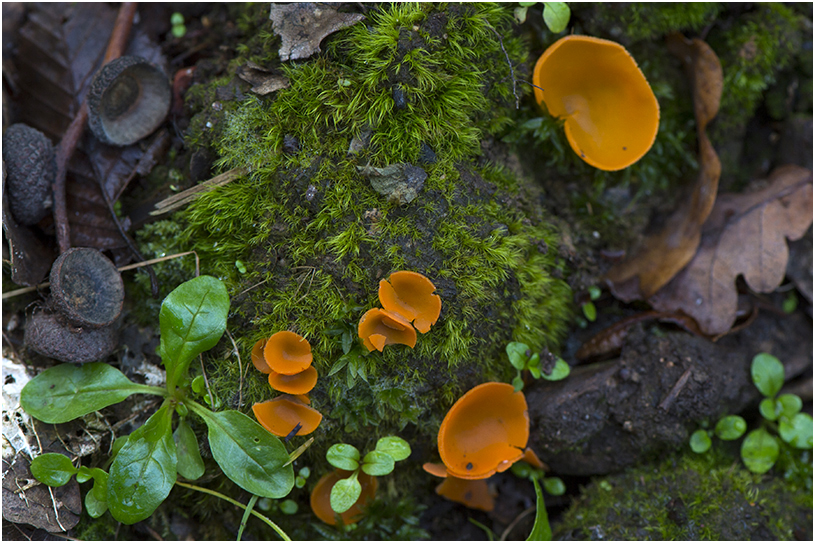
611	114
485	432
406	297
286	358
320	499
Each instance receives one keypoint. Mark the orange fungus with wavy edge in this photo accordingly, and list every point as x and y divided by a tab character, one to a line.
378	328
287	353
257	357
475	494
410	295
611	114
320	499
282	415
484	432
299	383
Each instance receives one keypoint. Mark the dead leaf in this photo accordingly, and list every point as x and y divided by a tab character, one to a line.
263	81
302	26
744	235
662	255
30	256
400	182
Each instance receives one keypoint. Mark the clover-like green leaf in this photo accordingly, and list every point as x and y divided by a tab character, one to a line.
769	408
700	441
541	531
343	456
560	371
396	447
768	374
96	500
517	354
192	320
190	463
345	493
554	486
759	451
789	404
797	431
556	15
730	427
52	469
377	463
589	311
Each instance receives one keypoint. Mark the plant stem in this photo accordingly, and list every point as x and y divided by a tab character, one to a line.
265	519
249	508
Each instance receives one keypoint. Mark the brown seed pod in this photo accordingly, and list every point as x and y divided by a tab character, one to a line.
48	334
86	288
128	99
30	170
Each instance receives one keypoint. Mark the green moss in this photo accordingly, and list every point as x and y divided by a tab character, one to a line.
647	21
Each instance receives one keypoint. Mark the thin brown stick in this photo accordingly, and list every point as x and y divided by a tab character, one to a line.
665	404
240	368
186	196
528	511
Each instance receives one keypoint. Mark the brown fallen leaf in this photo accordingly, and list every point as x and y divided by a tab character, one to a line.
662	255
263	81
744	235
302	26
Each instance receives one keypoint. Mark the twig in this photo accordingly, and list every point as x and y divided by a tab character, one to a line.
56	512
240	368
186	196
665	404
518	519
511	70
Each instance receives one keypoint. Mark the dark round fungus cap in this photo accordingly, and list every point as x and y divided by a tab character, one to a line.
30	170
47	334
86	288
128	99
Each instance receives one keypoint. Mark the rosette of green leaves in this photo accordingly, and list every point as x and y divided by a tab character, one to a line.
522	359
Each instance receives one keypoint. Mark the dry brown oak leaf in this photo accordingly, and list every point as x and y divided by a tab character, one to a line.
663	254
302	26
744	235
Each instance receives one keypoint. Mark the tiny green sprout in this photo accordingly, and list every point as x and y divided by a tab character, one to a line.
176	19
521	358
700	441
288	507
178	29
790	303
240	266
589	311
556	15
730	428
594	292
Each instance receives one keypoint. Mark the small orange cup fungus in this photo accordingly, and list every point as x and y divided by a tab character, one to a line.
611	114
321	497
378	328
410	295
282	415
257	357
475	494
299	383
484	432
287	353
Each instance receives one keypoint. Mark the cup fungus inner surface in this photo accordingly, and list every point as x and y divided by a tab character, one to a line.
410	295
378	328
282	415
320	498
258	359
611	114
299	383
287	353
485	431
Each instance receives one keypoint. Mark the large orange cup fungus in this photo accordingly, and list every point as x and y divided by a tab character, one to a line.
611	114
410	295
299	383
258	359
485	431
287	353
282	415
321	497
378	328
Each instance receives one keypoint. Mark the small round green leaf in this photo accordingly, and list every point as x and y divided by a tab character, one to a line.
790	404
768	374
556	15
700	441
594	292
304	472
517	354
96	500
299	482
730	428
176	19
199	385
396	447
377	463
343	456
554	486
190	464
288	507
769	408
797	431
560	371
52	469
83	474
590	311
518	383
759	451
345	494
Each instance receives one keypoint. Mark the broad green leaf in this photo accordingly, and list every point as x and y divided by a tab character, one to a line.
96	500
589	311
396	447
730	427
759	451
66	392
343	456
345	493
52	469
789	404
192	320
554	486
190	464
768	374
556	15
541	531
377	463
769	408
700	441
797	431
560	371
247	453
83	474
520	14
144	471
517	354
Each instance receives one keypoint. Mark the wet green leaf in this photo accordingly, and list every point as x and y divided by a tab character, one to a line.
345	493
396	447
700	441
797	431
52	469
556	15
554	486
288	507
560	371
759	451
518	383
517	354
377	463
96	500
541	531
190	463
590	311
769	408
789	405
768	374
730	428
343	456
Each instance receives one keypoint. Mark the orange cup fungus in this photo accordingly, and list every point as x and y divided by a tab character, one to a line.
258	359
378	328
282	415
410	295
287	353
485	431
321	497
475	494
299	383
611	114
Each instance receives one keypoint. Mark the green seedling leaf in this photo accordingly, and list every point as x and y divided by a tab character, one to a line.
345	493
395	447
66	392
52	469
247	453
304	472
768	374
144	471
299	482
556	15
190	463
769	408
700	441
594	292
526	4
199	385
554	486
759	451
521	469
560	371
536	373
534	361
590	311
339	364
288	507
96	500
240	266
790	303
541	531
176	19
343	456
83	474
517	383
377	463
789	405
347	342
517	354
730	428
520	14
192	320
797	431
